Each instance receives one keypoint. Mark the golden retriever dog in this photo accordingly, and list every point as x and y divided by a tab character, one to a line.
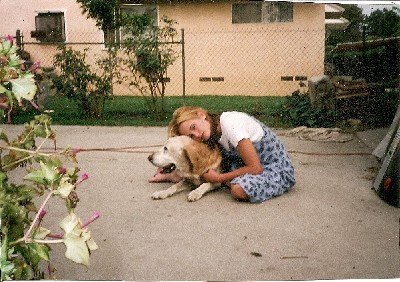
189	159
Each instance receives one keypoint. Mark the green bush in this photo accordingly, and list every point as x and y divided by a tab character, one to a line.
79	83
299	112
25	242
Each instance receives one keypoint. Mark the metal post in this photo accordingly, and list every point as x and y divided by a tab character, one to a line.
364	59
18	39
183	67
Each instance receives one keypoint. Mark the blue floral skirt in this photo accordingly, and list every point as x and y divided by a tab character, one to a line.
278	172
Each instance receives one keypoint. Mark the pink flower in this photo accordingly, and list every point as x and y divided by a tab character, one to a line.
10	38
82	178
62	170
34	105
35	65
56	235
94	216
9	115
41	215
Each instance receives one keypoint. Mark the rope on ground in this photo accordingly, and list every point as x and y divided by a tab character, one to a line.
319	134
139	150
135	150
330	154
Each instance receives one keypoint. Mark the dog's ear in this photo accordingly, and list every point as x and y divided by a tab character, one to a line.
199	155
187	160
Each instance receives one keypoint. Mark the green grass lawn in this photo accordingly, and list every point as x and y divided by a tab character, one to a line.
133	111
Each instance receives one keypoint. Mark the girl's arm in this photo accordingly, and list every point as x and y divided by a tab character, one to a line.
250	158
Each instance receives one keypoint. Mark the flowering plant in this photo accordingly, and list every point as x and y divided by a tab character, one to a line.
16	83
25	242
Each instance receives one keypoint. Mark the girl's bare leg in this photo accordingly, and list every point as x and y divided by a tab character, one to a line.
164	177
238	193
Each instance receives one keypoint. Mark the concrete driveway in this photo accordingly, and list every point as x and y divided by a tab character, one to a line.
332	225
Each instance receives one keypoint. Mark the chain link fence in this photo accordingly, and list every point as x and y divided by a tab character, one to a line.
262	62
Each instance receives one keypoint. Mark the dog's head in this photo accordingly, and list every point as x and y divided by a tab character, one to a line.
171	155
187	156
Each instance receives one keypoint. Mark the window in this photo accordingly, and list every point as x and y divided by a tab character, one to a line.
262	12
150	10
246	13
138	9
50	27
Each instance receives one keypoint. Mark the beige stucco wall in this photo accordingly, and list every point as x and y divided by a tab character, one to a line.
21	15
78	28
251	58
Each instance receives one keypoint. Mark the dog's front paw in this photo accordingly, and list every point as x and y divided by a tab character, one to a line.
158	195
195	195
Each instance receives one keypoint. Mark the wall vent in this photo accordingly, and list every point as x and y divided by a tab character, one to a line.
300	78
286	78
212	79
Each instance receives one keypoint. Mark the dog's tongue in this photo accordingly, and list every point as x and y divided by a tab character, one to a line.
168	169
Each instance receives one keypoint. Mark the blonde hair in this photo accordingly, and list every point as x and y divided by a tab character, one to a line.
183	114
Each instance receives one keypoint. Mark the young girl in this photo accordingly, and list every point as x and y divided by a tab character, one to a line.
256	165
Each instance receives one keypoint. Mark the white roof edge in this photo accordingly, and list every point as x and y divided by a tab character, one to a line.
337	21
348	2
334	8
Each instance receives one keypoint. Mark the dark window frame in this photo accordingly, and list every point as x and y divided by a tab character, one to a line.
117	35
262	12
50	27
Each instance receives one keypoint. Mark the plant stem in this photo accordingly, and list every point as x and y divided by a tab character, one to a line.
56	241
26	236
4	250
18	161
30	152
18	149
27	135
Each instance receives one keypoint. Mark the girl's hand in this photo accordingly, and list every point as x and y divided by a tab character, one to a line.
249	156
212	176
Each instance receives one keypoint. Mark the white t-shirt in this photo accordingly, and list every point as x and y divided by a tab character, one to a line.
236	126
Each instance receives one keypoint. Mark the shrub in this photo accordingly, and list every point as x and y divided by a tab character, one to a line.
24	241
298	110
78	82
17	84
149	52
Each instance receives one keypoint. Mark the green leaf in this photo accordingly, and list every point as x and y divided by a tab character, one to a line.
65	189
3	89
78	241
40	131
77	250
48	173
91	244
41	250
36	176
3	136
41	233
25	193
13	59
5	46
7	268
3	177
25	272
23	88
69	223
